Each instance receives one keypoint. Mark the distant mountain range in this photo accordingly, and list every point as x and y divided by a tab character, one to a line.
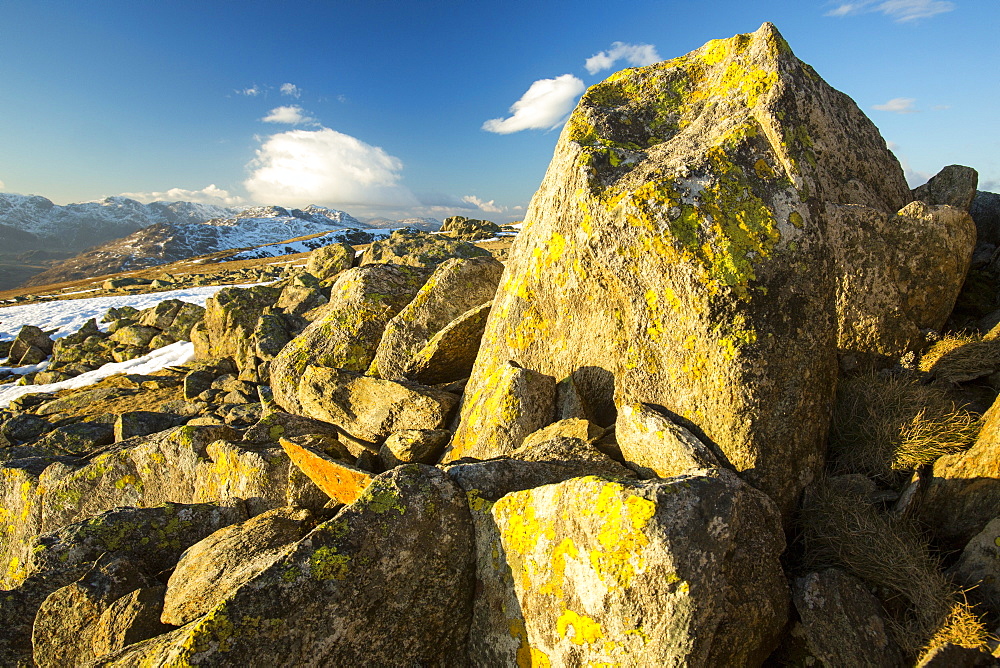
120	234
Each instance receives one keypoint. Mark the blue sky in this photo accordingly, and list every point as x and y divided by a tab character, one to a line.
404	108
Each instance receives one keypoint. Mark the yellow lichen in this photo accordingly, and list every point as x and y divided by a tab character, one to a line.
579	629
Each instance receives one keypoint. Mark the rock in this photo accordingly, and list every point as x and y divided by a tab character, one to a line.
80	438
985	211
387	581
978	567
138	336
419	249
151	538
219	564
346	334
955	656
83	398
132	618
24	427
424	446
340	481
65	624
469	229
371	408
690	239
272	336
277	424
658	445
451	353
326	262
123	282
512	403
955	185
682	571
898	274
843	622
230	324
455	287
296	299
30	343
963	492
143	423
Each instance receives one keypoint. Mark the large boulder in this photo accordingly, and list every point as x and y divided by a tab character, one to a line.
469	229
843	623
230	325
963	492
897	273
419	249
347	333
682	571
676	254
371	408
454	288
985	211
212	568
955	185
387	581
326	262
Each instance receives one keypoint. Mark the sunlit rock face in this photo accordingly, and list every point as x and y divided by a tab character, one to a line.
676	254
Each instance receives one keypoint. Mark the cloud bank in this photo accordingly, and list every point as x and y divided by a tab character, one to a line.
898	105
210	194
900	11
2	186
292	115
323	166
488	207
544	106
637	55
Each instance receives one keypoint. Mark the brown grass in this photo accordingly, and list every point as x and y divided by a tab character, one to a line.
888	554
886	425
961	357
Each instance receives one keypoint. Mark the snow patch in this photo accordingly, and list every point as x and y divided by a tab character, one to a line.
161	358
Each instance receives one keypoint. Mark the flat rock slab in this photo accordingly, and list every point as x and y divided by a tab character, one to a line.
341	481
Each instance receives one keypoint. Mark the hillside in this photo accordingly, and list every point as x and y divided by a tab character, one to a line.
163	243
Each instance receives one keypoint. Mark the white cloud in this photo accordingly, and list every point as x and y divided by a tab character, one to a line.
990	185
488	207
253	91
2	186
208	195
290	90
898	105
324	166
545	105
900	11
637	55
292	115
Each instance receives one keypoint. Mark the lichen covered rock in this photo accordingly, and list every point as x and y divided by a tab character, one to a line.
963	492
371	408
681	571
675	254
419	249
387	581
347	333
217	565
455	287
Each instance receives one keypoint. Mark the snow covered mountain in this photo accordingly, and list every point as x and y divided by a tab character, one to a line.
77	226
166	242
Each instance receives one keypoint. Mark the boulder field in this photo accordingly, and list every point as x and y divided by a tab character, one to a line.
629	443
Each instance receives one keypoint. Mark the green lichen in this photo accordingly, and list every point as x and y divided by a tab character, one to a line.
326	564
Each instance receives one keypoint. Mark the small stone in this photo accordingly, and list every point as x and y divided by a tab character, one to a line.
413	445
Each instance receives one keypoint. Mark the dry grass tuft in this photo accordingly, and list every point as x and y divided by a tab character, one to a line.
962	627
961	357
886	425
888	554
